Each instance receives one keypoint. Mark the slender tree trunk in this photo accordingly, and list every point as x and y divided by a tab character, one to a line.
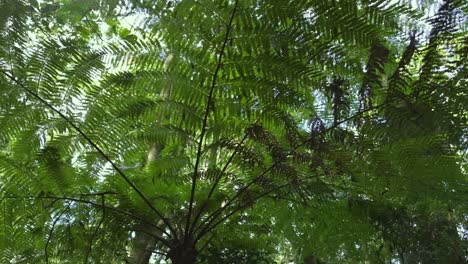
143	245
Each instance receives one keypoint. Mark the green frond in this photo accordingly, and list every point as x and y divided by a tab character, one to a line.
253	131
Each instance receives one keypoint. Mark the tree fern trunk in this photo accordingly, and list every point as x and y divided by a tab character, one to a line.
312	259
185	253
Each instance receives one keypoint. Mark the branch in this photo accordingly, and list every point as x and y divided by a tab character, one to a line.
159	253
49	237
209	9
406	57
207	228
98	193
206	243
205	120
137	217
285	199
216	213
210	227
96	229
404	61
98	149
116	210
92	27
218	178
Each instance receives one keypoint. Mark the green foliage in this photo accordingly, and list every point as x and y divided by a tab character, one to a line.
248	131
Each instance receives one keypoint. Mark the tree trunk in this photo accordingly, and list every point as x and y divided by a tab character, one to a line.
312	259
183	254
143	245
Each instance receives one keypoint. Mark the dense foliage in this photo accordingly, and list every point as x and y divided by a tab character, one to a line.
233	131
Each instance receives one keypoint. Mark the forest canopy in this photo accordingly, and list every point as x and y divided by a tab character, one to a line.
233	131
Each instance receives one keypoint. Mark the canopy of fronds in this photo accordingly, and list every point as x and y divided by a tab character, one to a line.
234	131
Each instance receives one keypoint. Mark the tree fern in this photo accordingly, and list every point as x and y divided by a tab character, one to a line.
251	131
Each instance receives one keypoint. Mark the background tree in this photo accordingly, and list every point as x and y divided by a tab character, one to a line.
236	131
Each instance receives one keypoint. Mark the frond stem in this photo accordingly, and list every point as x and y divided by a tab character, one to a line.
205	121
218	178
96	230
208	221
211	226
51	232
